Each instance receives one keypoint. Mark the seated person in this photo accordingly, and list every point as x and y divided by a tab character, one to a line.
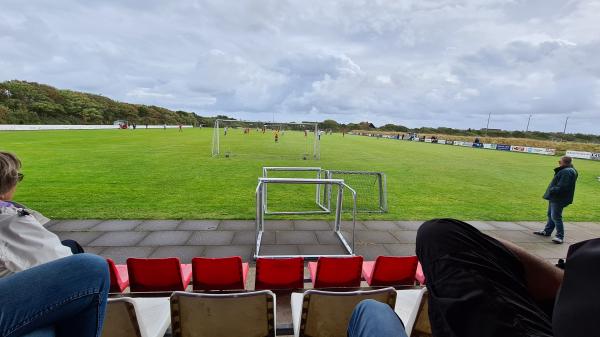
65	298
24	242
480	286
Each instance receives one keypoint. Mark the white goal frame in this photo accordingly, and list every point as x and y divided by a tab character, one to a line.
322	193
216	142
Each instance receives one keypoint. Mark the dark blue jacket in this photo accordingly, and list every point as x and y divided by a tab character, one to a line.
562	186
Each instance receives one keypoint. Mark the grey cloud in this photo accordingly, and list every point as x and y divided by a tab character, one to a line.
438	63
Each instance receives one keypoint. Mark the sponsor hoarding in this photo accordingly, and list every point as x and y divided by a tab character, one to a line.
579	154
467	144
514	148
458	143
503	147
596	156
489	146
427	140
441	141
477	144
542	150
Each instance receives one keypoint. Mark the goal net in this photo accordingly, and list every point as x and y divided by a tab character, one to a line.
265	139
370	187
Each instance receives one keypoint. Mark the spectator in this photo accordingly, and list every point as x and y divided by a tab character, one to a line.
63	298
24	242
480	286
559	194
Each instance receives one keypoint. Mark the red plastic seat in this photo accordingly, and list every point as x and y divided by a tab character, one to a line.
419	276
279	273
227	273
119	279
390	270
166	274
336	272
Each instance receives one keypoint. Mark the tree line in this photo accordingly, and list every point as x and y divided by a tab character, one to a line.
24	102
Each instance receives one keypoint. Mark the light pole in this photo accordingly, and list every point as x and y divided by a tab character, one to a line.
487	127
565	129
528	120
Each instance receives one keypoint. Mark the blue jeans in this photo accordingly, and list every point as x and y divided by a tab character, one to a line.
66	297
555	220
371	318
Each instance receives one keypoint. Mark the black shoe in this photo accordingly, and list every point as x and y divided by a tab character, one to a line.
541	233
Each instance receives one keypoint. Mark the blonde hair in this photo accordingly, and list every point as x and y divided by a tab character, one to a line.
9	171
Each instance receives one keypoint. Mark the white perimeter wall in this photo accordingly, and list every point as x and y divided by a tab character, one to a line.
23	127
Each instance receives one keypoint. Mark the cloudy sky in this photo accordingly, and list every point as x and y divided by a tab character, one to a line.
410	62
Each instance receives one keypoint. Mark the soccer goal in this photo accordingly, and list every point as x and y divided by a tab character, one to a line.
370	187
281	140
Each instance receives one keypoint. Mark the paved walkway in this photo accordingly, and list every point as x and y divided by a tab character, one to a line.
120	239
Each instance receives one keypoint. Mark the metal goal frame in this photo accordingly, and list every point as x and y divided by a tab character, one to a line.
381	181
260	214
216	140
322	193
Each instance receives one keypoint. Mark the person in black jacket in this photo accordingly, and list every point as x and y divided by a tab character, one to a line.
559	195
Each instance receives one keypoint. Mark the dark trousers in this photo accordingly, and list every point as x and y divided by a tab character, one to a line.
555	220
476	285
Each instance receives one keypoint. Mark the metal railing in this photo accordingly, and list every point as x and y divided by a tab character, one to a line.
260	213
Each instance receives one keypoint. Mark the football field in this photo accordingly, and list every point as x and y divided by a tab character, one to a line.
166	174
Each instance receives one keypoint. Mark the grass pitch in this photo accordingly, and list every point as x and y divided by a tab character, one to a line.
166	174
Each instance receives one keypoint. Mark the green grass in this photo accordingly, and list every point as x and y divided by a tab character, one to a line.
158	174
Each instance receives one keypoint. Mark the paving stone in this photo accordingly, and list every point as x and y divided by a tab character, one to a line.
120	254
158	225
208	238
409	225
381	225
94	250
518	236
51	223
481	225
116	239
574	236
249	238
331	238
74	225
117	225
83	238
184	253
237	225
371	252
405	236
532	225
279	225
347	225
246	252
199	225
166	238
375	237
279	250
322	249
401	249
311	225
295	237
507	225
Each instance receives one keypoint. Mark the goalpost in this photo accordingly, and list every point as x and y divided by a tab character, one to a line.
223	126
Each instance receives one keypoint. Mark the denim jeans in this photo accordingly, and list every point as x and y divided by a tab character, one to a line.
64	298
555	220
371	318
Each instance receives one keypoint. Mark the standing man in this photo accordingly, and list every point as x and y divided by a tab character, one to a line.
559	195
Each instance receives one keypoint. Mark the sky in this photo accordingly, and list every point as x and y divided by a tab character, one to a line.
410	62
